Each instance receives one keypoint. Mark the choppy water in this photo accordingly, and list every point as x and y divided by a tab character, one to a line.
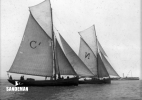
118	90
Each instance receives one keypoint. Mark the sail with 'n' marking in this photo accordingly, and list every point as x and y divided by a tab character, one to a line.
88	57
34	56
79	67
43	16
89	36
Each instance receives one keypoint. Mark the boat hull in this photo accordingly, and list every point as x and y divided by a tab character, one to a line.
96	81
59	82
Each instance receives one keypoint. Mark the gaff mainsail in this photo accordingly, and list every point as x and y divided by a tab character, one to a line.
34	56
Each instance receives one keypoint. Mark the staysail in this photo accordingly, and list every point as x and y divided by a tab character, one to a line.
108	66
42	14
80	68
34	56
89	36
65	68
88	57
102	72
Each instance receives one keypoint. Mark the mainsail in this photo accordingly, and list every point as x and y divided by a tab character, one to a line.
88	57
34	56
80	68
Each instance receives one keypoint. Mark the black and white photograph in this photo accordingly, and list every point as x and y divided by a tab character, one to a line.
71	50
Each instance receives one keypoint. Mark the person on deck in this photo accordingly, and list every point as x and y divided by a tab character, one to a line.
10	77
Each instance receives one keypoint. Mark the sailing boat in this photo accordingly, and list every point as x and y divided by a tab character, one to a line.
95	58
40	53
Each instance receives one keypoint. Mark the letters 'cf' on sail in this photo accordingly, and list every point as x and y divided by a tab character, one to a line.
87	56
89	36
79	67
34	56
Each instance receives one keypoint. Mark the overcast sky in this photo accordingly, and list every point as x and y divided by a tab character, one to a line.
117	24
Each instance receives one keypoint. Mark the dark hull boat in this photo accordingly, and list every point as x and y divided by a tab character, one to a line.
58	82
96	81
42	54
95	58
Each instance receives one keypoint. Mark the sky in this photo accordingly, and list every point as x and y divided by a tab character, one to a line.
117	24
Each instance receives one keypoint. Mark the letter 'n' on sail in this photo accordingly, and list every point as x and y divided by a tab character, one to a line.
34	56
79	67
88	57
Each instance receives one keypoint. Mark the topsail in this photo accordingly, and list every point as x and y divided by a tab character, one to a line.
42	14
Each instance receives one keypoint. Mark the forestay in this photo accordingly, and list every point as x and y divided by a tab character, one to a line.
34	56
89	36
88	57
80	68
42	14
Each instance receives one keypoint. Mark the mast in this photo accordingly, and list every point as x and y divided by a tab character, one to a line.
53	47
97	51
55	62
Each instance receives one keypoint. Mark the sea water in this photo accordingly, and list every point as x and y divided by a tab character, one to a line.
117	90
